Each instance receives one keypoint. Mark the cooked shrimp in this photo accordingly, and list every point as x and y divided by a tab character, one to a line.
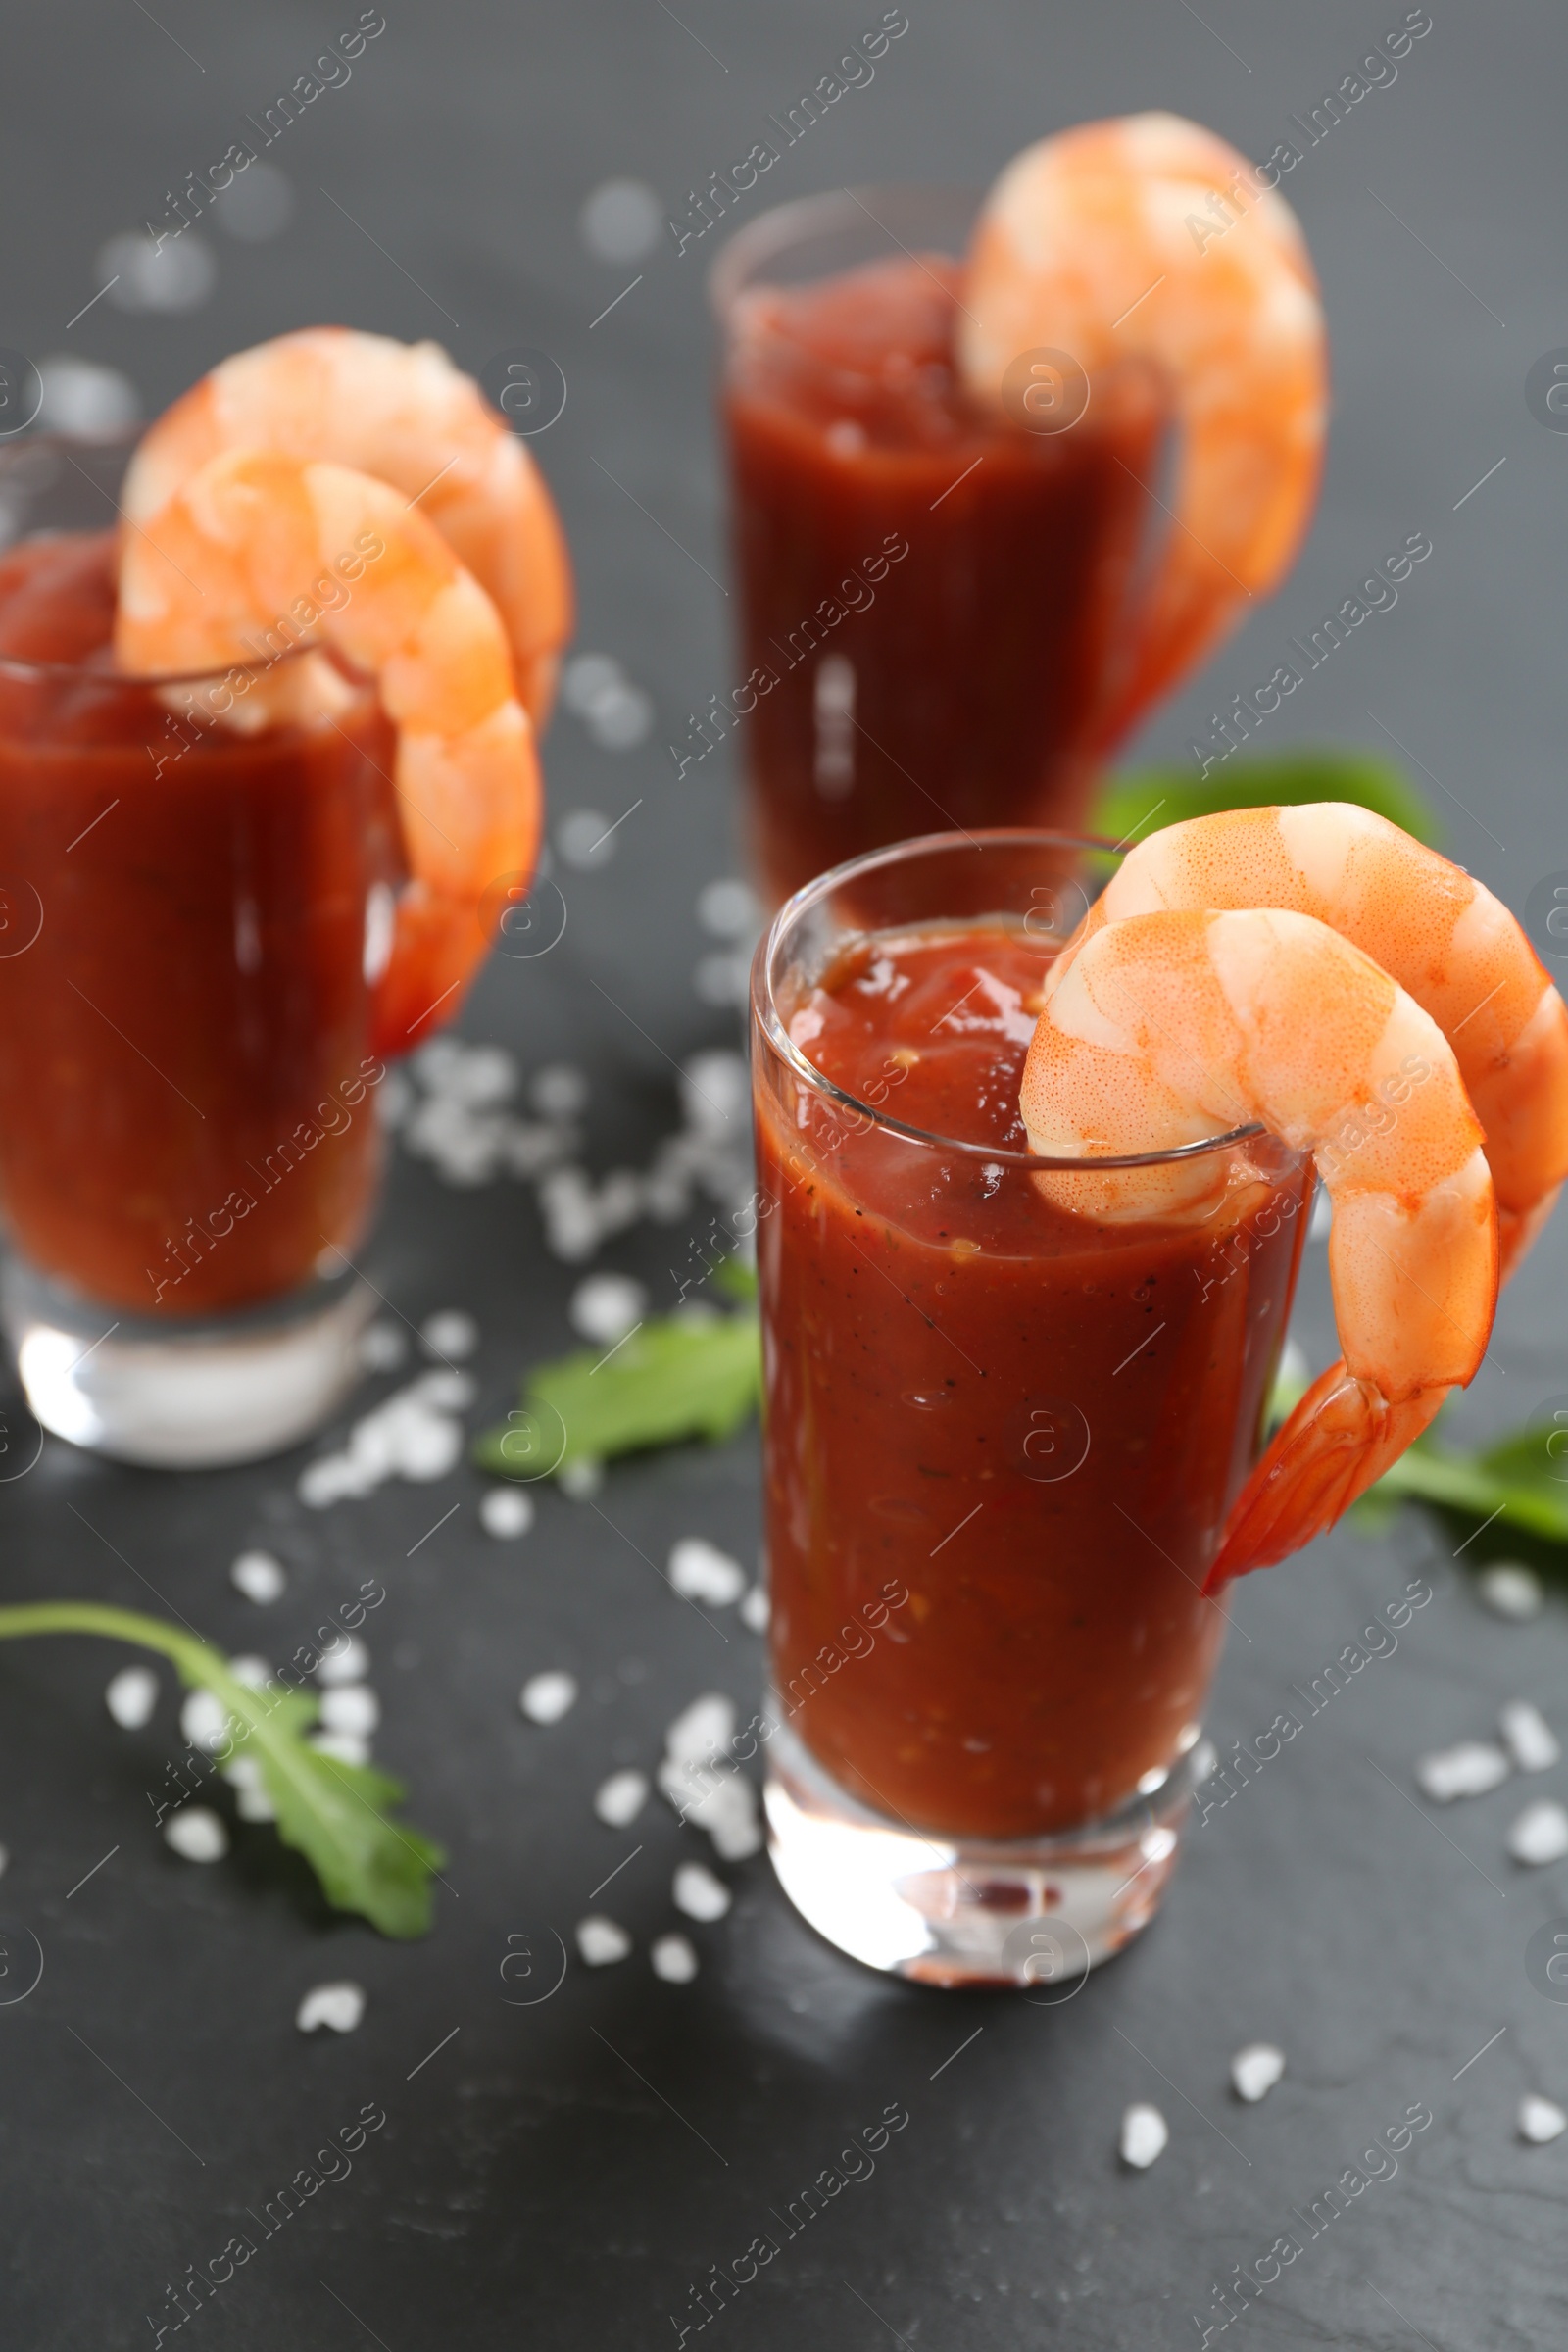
404	414
1149	239
1442	935
251	541
1164	1028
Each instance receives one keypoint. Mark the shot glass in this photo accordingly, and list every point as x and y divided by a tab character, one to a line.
1000	1439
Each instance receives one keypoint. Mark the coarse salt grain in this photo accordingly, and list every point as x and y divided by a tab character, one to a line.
618	1800
351	1708
1541	2120
700	1570
204	1720
339	2007
1255	2069
1528	1737
344	1747
1469	1769
1510	1588
255	1673
196	1834
674	1959
701	1730
581	1478
506	1511
602	1941
444	1391
252	1801
383	1348
546	1697
558	1092
132	1696
451	1333
698	1894
259	1577
347	1661
754	1610
1144	2134
606	1306
1541	1834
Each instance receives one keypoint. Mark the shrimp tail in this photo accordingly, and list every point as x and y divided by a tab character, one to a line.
1340	1439
437	944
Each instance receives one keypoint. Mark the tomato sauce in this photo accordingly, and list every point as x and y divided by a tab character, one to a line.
186	1120
1031	1425
932	597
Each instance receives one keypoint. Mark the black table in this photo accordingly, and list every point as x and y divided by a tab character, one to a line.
567	2172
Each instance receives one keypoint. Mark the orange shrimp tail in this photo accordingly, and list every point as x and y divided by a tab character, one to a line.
1340	1439
438	946
1517	1229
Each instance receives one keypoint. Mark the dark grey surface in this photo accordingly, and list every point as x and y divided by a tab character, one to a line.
561	2174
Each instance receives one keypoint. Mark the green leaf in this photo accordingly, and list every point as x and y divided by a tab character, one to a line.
1149	799
1517	1479
336	1815
680	1376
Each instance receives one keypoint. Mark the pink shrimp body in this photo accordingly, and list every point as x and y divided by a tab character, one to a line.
404	413
1442	935
1146	238
1163	1028
256	546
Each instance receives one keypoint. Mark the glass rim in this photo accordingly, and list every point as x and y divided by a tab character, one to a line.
21	666
773	231
765	1009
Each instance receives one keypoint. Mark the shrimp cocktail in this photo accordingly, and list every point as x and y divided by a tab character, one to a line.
266	769
998	482
1034	1174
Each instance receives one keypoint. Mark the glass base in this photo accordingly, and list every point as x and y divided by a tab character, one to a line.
184	1396
1039	1912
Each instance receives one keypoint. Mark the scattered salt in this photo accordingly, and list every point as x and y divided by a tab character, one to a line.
581	1478
558	1092
1528	1737
205	1720
1468	1770
345	1661
255	1673
1255	2069
602	1941
481	1075
1510	1588
344	1747
339	2007
723	977
451	1333
728	908
754	1611
259	1577
445	1391
674	1959
1541	1833
507	1511
383	1348
546	1697
700	1570
1541	2120
244	1774
353	1708
723	1803
618	1800
715	1093
698	1894
1144	2134
132	1696
606	1306
196	1834
706	1727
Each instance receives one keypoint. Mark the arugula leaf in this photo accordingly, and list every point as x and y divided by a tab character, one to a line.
688	1375
1132	804
1519	1479
334	1814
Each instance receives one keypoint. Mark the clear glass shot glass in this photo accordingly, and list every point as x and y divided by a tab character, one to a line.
938	602
1000	1440
192	920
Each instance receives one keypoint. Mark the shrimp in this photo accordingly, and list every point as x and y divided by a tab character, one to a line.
1163	1028
404	414
1442	936
1149	239
254	542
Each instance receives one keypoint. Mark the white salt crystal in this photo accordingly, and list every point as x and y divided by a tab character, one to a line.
443	1391
602	1941
620	718
581	1478
674	1960
1255	2069
546	1697
619	1799
255	1673
727	1811
1510	1588
1468	1770
728	908
606	1306
252	1801
132	1696
1541	1833
1528	1737
506	1511
196	1834
698	1894
428	1445
259	1577
700	1570
451	1333
754	1610
702	1730
558	1092
339	2007
1541	2120
345	1661
205	1720
722	978
344	1747
586	675
384	1346
326	1481
715	1094
481	1075
351	1708
1144	2134
435	1059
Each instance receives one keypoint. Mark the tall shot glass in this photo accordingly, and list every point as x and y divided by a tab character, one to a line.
1001	1442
